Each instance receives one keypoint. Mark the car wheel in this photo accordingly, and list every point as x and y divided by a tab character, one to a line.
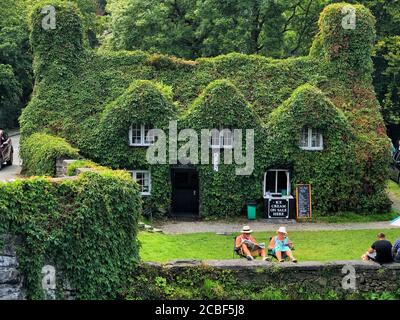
10	162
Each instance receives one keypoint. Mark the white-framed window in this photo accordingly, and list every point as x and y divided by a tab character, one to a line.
143	178
139	135
311	139
221	138
277	183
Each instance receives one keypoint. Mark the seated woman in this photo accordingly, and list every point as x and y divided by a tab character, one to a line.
280	246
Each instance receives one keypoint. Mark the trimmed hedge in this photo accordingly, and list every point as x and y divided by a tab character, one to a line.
89	236
94	97
40	151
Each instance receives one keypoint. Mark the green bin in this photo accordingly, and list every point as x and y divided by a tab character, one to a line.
251	210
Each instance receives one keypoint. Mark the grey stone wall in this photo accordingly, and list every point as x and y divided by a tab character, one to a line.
313	276
61	166
11	281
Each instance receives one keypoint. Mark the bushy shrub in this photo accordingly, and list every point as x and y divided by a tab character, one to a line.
86	227
40	151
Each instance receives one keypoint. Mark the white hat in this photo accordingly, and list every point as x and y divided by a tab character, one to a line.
282	230
246	229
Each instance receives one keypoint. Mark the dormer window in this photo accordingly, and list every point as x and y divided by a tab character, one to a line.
221	139
311	139
139	135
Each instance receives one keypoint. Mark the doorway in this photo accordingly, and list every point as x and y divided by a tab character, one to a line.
185	192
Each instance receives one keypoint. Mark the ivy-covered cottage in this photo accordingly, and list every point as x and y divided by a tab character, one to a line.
315	119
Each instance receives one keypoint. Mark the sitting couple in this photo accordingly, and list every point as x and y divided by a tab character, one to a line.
280	246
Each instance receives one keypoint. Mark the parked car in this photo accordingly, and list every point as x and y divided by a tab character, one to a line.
6	150
395	167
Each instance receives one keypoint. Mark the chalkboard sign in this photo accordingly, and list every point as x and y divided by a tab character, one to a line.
278	208
303	201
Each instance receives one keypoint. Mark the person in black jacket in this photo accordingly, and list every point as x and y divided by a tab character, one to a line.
380	251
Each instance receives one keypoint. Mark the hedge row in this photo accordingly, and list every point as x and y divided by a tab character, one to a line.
89	236
40	151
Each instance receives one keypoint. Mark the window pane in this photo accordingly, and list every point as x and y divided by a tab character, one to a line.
304	137
146	182
282	183
270	183
215	138
143	180
149	139
136	134
227	138
314	138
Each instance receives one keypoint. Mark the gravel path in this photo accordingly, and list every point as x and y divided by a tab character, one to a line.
219	227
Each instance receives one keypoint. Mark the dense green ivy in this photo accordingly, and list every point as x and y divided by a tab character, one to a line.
348	50
92	99
333	171
89	236
222	106
40	152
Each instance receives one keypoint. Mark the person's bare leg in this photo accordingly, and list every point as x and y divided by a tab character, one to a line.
246	250
278	255
290	255
262	253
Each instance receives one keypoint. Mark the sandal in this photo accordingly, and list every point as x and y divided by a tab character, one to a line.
282	260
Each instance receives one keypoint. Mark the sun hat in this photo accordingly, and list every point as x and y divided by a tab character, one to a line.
246	229
281	230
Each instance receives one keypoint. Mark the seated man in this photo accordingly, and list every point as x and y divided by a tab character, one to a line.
396	251
380	251
281	247
247	246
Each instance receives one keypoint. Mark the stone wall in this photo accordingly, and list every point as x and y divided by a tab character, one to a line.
311	276
61	166
316	277
11	281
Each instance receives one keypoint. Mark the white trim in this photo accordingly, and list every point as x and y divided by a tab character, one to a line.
221	139
309	141
142	142
288	185
134	175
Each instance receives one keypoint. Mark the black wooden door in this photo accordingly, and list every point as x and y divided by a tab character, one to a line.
185	192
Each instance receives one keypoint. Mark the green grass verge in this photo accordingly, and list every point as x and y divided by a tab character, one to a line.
310	245
393	188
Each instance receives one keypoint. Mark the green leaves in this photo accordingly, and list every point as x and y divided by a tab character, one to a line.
86	227
40	152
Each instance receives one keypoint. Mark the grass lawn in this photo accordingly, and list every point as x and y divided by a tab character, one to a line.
310	245
394	188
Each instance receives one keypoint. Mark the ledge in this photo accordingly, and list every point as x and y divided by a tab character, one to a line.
256	264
